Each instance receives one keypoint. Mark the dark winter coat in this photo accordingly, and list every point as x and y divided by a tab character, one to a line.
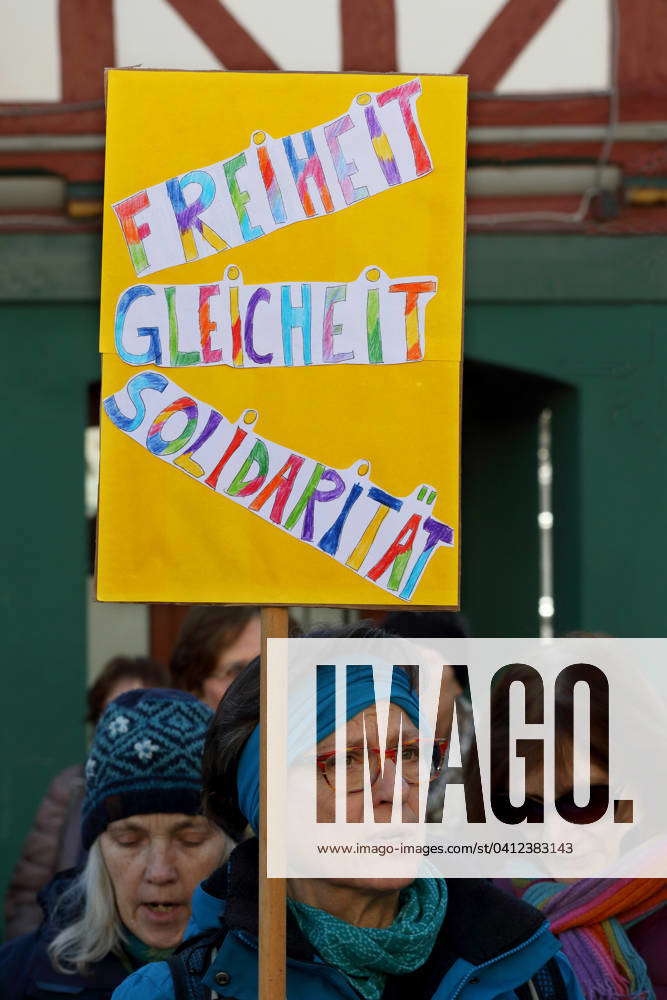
488	947
649	937
26	970
52	845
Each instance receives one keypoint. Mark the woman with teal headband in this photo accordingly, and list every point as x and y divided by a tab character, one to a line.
375	939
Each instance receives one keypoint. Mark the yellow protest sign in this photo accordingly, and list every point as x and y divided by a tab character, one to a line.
281	324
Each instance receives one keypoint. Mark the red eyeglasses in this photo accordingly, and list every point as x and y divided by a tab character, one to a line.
409	750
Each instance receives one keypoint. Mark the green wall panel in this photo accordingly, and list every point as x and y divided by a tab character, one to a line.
53	353
610	472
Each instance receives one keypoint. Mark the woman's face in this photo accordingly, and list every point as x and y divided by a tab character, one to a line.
596	845
565	781
382	790
231	661
155	862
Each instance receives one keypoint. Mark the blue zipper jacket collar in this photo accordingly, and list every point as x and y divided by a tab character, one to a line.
488	941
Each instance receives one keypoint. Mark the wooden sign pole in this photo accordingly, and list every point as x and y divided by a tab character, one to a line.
272	946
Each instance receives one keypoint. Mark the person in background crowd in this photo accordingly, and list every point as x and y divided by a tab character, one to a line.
148	847
54	841
426	624
123	673
214	646
613	930
370	938
416	625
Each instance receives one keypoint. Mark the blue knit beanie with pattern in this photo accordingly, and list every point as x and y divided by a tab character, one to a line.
145	758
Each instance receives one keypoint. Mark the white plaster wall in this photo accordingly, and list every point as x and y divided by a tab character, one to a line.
570	52
29	52
114	629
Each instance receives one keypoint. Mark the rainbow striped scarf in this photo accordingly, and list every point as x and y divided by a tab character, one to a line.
590	917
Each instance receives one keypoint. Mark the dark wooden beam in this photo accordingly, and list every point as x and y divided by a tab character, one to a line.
222	33
86	47
647	158
165	626
82	165
504	38
369	35
642	67
54	118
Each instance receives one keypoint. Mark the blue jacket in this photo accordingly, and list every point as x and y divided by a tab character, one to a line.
26	970
489	945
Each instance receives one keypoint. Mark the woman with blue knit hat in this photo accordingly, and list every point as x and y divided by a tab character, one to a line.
368	938
149	846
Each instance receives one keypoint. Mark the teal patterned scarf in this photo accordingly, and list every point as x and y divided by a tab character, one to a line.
139	953
367	955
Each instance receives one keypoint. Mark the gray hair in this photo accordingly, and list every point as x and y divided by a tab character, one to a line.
97	930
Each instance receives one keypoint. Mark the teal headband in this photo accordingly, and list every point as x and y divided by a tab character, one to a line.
360	695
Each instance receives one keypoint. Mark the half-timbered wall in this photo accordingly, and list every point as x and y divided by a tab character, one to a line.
568	153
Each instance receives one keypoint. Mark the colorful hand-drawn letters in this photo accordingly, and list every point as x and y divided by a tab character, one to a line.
376	145
373	320
387	539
